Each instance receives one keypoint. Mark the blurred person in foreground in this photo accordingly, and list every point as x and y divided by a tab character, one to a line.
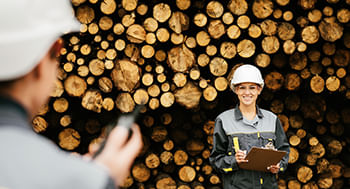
239	129
29	46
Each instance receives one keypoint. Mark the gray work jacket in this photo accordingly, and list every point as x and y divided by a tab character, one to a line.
31	161
230	126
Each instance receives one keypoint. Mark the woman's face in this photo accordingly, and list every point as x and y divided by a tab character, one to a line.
248	93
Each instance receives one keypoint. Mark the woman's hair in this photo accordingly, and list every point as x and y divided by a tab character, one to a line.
5	85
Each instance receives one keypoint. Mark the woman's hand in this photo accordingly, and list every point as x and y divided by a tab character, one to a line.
274	168
240	155
120	152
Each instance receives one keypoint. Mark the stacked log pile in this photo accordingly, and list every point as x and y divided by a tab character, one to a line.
177	58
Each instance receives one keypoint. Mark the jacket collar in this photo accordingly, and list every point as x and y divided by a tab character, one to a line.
239	116
12	113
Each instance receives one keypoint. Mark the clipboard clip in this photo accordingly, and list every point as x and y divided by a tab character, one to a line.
270	145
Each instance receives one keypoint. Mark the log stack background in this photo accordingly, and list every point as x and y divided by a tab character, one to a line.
177	57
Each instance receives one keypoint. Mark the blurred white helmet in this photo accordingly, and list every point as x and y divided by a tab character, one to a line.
247	73
28	29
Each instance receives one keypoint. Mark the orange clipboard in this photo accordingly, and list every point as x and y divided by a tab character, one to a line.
260	158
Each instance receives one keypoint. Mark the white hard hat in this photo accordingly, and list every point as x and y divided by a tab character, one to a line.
247	73
28	29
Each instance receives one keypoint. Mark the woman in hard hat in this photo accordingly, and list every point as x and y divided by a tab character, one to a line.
29	47
239	129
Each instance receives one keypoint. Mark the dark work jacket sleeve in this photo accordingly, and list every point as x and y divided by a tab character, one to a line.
221	158
282	144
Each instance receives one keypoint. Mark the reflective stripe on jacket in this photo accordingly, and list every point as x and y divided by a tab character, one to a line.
232	131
